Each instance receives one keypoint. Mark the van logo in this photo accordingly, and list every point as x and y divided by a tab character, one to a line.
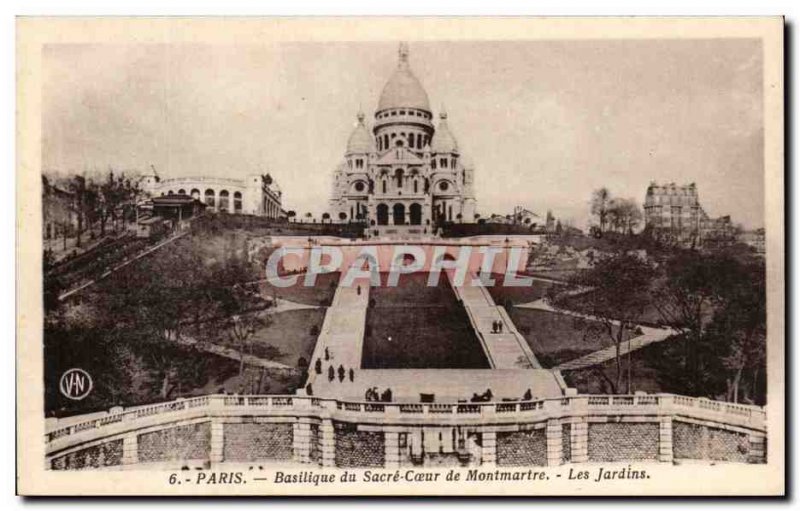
75	384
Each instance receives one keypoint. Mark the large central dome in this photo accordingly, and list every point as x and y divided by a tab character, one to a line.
403	90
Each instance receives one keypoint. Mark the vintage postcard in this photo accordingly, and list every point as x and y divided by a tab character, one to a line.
400	256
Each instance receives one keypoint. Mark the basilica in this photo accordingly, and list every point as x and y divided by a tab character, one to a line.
403	176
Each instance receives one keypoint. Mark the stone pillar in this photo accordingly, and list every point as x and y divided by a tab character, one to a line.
579	437
489	449
301	442
758	448
554	448
665	453
327	443
130	449
391	442
217	442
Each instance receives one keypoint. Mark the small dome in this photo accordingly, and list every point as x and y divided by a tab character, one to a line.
443	141
403	90
360	140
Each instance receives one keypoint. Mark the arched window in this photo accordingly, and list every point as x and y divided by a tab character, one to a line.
383	185
386	141
415	214
415	186
237	202
411	140
223	200
210	198
399	214
182	191
382	212
419	140
398	175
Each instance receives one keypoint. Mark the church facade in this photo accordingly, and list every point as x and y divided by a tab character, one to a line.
403	175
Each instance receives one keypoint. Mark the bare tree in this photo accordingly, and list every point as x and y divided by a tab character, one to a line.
601	201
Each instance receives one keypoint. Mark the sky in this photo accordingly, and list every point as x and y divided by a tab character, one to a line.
545	122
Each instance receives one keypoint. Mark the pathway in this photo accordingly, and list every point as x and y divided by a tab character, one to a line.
506	350
649	335
224	351
342	334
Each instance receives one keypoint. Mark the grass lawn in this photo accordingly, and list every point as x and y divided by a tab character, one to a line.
428	328
558	338
320	294
516	295
289	337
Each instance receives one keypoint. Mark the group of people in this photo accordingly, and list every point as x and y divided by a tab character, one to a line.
341	372
497	327
487	396
372	395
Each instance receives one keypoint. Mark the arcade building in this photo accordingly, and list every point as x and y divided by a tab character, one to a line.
403	176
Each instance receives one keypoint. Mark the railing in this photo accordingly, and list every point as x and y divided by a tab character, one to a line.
747	416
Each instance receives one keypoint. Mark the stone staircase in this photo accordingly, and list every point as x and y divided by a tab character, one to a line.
505	350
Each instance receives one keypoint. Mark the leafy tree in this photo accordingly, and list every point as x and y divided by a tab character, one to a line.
325	217
718	304
615	293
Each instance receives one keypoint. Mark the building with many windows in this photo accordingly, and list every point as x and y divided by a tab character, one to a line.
404	175
257	194
673	213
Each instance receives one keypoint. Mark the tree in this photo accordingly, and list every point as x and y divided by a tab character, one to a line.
241	329
623	215
601	199
717	304
325	216
690	289
615	293
342	216
309	215
291	214
740	326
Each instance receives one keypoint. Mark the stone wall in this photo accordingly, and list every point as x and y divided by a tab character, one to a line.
522	448
623	441
566	443
103	455
315	453
257	441
695	441
358	448
190	442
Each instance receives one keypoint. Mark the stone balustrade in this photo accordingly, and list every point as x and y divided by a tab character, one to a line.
307	429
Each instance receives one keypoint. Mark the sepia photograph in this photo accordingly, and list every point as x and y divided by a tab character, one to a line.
400	256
